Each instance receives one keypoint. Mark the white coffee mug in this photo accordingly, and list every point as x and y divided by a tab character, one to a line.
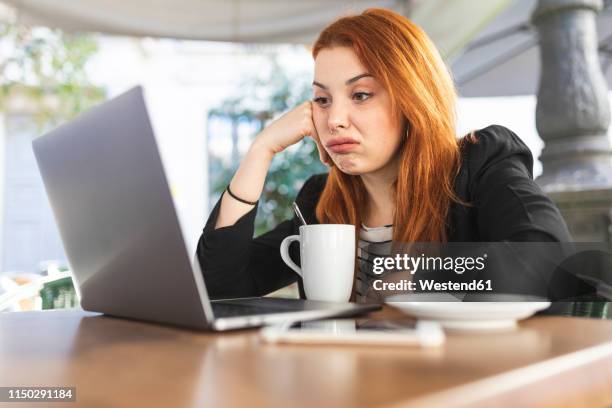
327	253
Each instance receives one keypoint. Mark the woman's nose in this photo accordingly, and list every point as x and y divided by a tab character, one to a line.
338	116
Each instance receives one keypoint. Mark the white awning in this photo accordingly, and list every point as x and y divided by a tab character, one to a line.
450	23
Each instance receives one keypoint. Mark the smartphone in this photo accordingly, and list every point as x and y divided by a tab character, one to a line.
396	332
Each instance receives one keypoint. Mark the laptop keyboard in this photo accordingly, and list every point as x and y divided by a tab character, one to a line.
221	309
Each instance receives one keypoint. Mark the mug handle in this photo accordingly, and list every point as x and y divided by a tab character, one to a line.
284	252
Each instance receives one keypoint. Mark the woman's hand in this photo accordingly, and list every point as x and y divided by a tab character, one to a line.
289	129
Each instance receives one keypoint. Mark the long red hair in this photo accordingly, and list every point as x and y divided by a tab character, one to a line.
407	64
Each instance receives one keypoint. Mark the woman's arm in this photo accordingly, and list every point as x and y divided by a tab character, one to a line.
248	181
511	207
235	264
247	184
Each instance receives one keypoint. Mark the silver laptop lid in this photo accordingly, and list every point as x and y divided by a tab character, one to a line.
107	187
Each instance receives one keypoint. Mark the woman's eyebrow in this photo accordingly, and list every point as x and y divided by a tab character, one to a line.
348	82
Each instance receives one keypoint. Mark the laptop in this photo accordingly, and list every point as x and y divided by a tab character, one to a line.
110	197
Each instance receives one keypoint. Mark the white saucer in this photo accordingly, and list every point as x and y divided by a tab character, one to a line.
486	314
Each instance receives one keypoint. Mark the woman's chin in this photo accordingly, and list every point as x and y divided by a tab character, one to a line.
349	166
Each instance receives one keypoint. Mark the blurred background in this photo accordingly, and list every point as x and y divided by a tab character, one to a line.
216	72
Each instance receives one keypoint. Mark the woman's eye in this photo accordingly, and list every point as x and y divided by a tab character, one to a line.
321	100
362	96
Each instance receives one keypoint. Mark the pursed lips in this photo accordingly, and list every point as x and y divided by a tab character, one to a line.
342	144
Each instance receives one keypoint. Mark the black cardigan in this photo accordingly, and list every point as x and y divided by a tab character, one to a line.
495	176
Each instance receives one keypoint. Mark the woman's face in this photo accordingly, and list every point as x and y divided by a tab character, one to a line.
352	114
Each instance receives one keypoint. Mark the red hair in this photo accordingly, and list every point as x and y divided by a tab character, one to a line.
407	64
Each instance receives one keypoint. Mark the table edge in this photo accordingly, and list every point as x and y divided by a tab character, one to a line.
489	387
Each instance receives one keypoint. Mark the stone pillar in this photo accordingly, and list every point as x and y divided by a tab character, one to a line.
573	116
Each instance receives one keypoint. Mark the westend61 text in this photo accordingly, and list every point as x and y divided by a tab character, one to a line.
432	285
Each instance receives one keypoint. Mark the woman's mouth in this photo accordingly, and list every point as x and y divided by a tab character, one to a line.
342	144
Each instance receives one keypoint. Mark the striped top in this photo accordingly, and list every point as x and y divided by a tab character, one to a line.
373	242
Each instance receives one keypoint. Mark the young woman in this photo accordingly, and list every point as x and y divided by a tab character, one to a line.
383	118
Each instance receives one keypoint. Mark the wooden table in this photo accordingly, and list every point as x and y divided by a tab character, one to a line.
548	361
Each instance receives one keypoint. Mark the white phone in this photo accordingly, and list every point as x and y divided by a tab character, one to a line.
404	332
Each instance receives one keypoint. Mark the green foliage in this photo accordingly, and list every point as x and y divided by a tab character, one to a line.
48	68
262	98
59	294
287	174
